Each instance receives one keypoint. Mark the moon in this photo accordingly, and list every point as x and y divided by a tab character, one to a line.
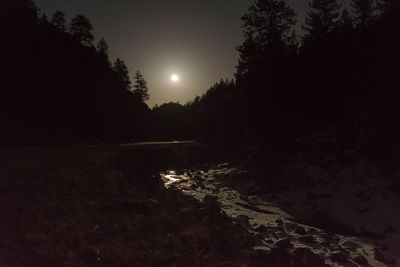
174	78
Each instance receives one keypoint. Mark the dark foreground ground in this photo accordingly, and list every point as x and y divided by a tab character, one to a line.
310	204
106	206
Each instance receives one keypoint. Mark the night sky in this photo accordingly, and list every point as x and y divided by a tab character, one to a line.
196	40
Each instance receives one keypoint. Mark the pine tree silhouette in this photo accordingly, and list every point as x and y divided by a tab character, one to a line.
81	28
321	19
59	21
363	12
140	89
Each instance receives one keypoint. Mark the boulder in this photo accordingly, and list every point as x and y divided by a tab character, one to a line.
261	229
305	257
300	230
338	256
243	220
284	243
291	227
360	259
306	239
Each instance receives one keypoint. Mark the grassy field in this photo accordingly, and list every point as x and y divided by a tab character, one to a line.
106	206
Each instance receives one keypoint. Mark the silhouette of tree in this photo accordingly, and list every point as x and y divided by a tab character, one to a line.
140	89
382	5
278	92
81	28
29	4
390	8
171	121
249	51
59	21
339	77
20	11
346	21
266	25
122	72
321	19
102	50
363	12
268	22
44	19
293	43
91	101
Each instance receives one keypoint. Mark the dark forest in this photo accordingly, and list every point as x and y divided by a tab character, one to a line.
59	86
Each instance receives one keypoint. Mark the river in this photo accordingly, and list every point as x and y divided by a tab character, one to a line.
270	224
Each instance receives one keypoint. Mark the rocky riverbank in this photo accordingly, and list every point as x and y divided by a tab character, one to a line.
153	206
349	194
105	206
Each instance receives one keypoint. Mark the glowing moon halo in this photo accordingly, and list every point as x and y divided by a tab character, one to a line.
174	78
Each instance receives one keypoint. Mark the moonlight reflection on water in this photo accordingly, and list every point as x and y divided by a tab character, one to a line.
262	216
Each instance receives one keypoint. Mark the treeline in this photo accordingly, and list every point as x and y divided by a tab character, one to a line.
343	70
57	86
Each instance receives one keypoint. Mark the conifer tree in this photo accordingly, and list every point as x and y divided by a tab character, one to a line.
268	22
382	5
321	19
59	21
388	7
81	28
293	42
44	19
30	4
102	50
140	89
363	12
122	72
346	21
265	27
21	10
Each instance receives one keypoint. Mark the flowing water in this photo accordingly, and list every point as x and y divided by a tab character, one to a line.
270	224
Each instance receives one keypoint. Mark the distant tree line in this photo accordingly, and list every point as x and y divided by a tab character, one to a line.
58	86
343	70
